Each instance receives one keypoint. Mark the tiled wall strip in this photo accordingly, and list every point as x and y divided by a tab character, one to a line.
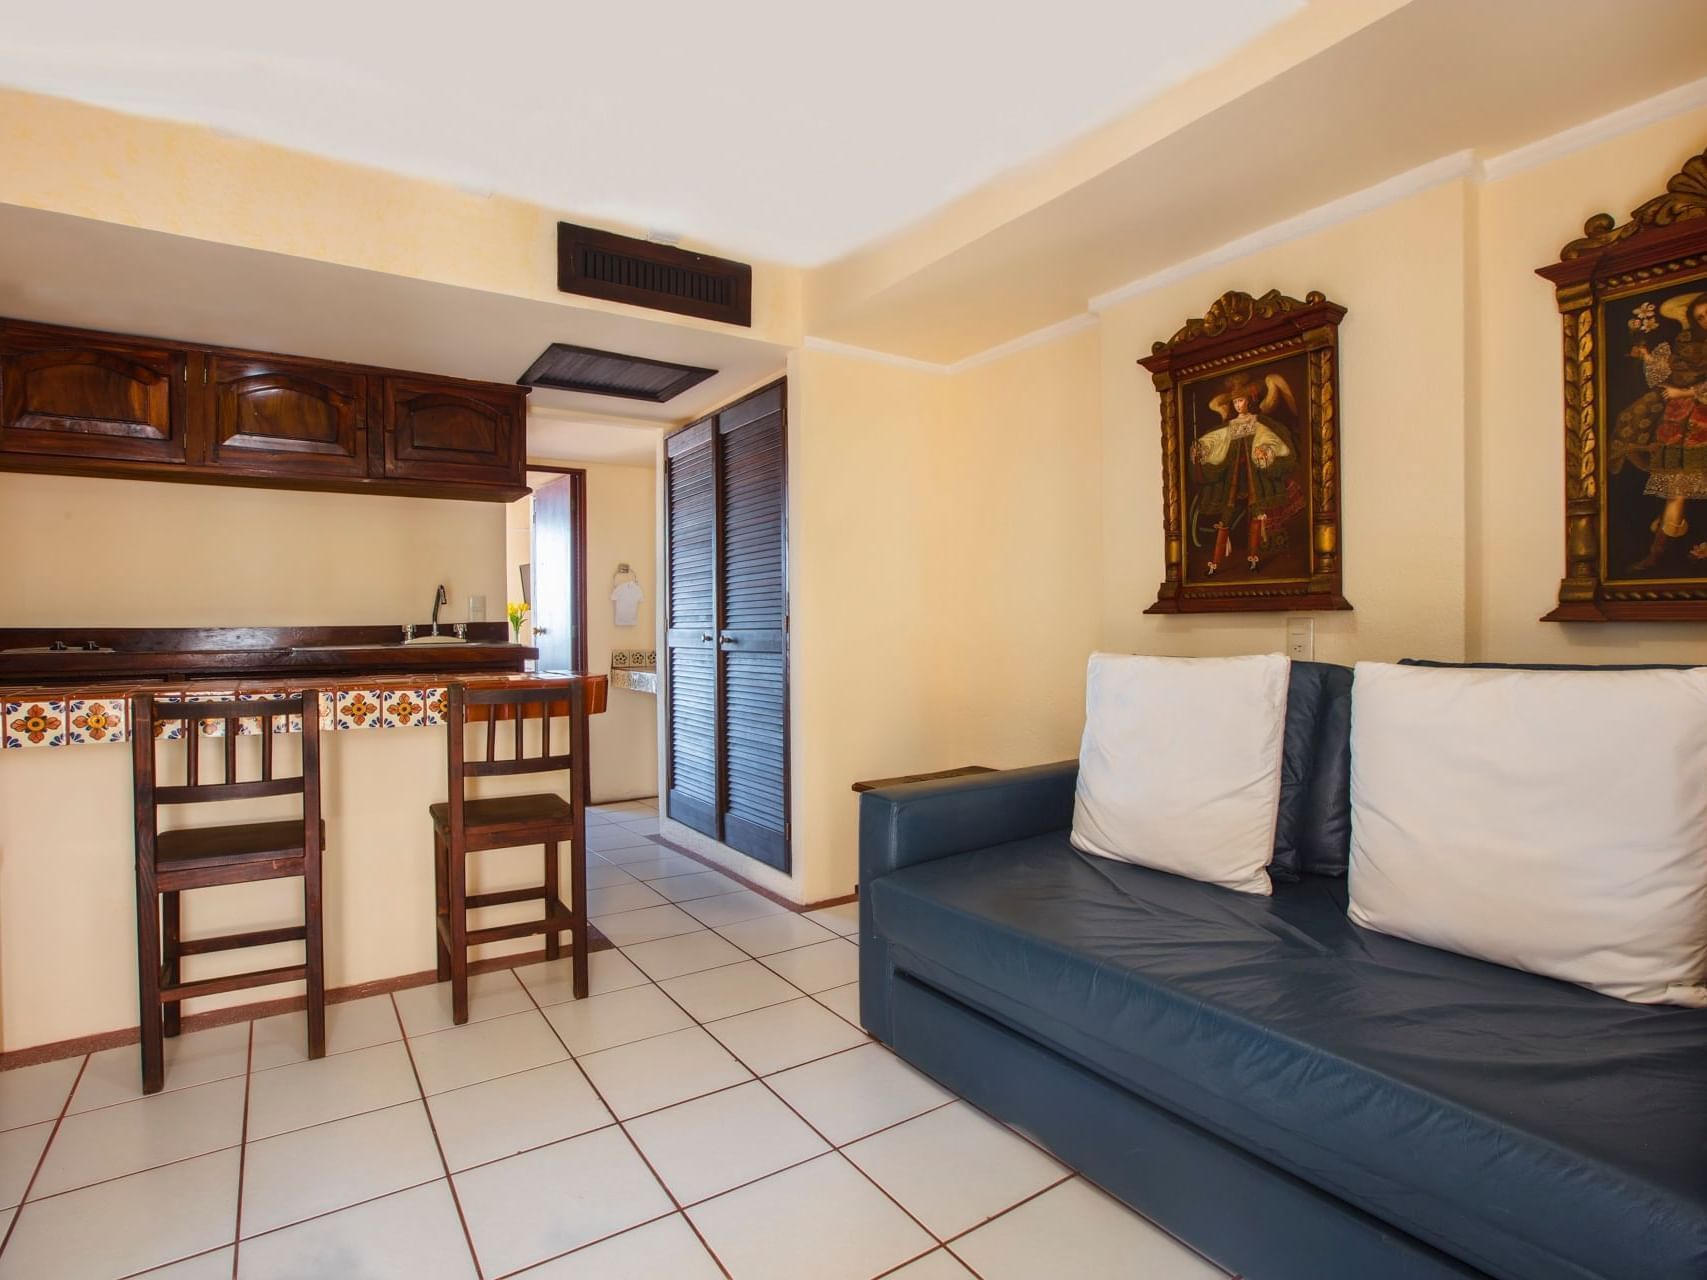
77	719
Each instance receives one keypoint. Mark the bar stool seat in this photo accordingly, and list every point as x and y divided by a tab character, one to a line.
200	849
512	818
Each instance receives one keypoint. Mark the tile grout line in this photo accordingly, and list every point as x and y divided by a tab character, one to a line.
297	1222
948	1244
597	1093
406	1102
243	1151
41	1160
432	1125
834	1149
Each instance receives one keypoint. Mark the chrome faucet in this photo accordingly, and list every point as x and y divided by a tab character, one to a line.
440	598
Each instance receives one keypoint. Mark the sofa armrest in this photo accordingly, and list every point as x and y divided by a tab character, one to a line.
902	826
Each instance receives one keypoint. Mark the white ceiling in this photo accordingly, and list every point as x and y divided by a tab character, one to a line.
785	131
1352	116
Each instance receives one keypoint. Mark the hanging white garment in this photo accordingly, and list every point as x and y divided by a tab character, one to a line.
626	598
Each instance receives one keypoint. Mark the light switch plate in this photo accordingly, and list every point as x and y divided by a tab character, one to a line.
477	608
1301	639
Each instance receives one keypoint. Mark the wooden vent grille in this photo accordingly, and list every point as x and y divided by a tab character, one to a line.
611	373
601	264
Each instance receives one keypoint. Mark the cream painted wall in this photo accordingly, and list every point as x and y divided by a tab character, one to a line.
125	553
1021	608
1517	504
945	549
1400	272
622	525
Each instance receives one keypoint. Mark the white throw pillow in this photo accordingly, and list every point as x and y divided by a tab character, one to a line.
1553	821
1180	765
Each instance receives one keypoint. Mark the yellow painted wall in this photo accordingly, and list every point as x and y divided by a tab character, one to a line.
126	553
1021	603
621	526
944	568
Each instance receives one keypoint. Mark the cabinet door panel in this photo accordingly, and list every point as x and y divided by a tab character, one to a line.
286	417
753	640
448	431
91	399
691	702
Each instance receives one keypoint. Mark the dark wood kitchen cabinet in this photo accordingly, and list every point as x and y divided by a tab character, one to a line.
89	396
285	417
461	433
76	402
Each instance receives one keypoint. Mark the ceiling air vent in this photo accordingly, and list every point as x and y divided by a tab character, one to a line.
610	373
600	264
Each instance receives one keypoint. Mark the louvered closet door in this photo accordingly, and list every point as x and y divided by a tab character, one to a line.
752	641
691	643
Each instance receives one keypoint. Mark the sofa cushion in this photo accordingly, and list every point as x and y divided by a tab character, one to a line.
1575	843
1179	768
1313	832
1532	1128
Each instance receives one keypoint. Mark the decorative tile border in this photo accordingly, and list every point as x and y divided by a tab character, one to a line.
402	708
34	723
97	720
85	718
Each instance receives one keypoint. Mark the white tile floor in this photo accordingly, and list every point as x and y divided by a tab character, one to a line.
711	1110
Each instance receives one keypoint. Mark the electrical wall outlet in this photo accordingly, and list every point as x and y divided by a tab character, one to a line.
1301	639
477	608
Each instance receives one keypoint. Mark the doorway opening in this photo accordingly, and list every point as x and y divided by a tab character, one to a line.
546	569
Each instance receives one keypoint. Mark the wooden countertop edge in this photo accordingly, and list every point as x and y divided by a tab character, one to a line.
273	684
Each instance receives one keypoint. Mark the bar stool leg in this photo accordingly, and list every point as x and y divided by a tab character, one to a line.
553	939
578	906
314	958
169	938
148	982
457	869
441	890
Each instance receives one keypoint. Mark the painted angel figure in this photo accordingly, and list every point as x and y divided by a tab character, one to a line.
1664	431
1243	466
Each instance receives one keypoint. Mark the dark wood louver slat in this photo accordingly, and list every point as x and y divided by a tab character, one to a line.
753	648
690	646
726	485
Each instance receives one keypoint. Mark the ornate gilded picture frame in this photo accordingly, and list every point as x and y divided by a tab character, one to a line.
1250	457
1633	297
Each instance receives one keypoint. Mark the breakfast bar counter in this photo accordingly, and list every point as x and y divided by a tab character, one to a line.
67	832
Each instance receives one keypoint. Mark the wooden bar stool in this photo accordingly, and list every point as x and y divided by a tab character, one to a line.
463	826
169	862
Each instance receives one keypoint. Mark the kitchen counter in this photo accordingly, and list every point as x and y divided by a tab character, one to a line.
60	655
67	837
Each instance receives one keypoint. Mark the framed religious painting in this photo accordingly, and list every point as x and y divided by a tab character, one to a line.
1250	457
1633	297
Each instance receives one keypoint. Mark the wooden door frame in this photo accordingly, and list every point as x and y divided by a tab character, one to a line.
720	780
577	553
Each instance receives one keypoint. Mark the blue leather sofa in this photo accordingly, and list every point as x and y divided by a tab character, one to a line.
1295	1097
